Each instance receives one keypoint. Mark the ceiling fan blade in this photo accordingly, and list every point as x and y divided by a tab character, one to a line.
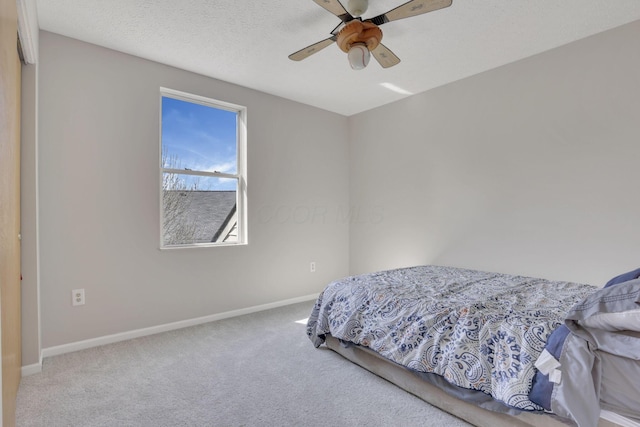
335	7
310	50
411	8
384	56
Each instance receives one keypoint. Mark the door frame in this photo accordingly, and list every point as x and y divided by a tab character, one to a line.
10	266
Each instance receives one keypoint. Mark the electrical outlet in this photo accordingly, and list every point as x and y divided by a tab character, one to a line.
77	297
312	266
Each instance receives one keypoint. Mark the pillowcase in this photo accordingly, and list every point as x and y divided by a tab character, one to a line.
623	321
616	308
625	277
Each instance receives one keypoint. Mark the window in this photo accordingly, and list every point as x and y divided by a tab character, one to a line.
203	171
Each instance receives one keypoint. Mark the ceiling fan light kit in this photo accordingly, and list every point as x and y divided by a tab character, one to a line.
358	56
359	38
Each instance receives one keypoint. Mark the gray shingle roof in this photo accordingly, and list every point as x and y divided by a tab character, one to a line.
208	211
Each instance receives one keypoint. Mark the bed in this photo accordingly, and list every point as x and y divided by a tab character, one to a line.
491	348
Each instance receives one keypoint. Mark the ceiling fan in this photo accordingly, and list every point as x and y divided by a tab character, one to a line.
358	37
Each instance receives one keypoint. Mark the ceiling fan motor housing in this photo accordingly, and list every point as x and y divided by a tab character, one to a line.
357	31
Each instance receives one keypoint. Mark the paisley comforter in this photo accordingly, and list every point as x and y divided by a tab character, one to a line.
481	331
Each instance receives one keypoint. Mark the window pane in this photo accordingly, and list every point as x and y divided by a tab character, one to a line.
198	209
198	137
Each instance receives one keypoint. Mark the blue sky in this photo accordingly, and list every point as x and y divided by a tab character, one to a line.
200	138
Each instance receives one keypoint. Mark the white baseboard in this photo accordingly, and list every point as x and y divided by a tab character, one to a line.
35	368
123	336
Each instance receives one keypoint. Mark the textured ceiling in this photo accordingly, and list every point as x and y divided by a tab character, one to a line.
247	42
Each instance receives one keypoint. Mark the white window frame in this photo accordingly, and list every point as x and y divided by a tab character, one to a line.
240	176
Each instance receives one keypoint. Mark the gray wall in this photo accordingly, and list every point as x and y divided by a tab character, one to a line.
531	168
528	169
99	199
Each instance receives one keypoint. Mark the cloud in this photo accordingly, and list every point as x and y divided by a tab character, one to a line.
200	138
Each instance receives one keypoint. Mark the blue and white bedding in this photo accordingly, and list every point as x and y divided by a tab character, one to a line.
481	331
478	330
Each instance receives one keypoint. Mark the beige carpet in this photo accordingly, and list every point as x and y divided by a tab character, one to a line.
254	370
